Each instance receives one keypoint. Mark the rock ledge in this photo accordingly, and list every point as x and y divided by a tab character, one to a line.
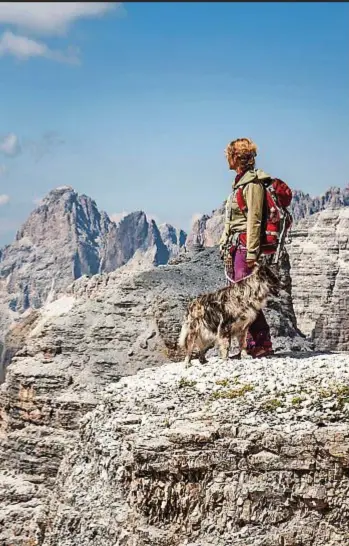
249	453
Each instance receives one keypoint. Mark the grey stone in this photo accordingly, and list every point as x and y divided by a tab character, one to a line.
67	237
319	254
105	327
202	471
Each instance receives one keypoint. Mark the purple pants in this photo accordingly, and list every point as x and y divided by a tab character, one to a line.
259	332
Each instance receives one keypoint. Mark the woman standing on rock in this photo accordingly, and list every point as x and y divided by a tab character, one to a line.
240	258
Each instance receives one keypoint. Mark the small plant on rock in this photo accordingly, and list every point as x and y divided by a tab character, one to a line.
297	400
186	383
271	405
223	382
338	391
232	393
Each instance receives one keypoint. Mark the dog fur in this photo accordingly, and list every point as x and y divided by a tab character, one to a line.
217	317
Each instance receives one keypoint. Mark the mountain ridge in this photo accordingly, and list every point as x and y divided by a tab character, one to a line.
65	237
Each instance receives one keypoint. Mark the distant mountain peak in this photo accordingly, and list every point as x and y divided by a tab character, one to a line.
66	237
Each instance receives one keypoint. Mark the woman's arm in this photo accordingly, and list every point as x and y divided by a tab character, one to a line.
254	195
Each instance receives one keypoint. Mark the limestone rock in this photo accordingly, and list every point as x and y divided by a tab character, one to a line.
67	237
303	205
173	238
207	230
104	328
319	254
244	454
136	234
58	243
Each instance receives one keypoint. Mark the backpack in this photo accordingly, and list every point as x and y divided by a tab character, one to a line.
277	220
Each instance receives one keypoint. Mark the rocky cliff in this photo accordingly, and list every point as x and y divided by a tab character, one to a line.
66	237
303	205
319	254
105	327
136	234
319	263
60	241
243	454
173	238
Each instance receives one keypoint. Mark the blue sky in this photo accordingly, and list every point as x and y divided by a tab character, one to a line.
133	105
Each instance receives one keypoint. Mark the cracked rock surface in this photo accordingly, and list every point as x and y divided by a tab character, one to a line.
248	453
319	254
105	327
67	237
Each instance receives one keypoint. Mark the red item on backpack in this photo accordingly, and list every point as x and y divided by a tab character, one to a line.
277	219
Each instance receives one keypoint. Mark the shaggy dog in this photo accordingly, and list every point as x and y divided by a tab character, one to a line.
218	317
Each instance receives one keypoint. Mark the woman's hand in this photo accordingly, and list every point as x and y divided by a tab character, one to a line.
228	260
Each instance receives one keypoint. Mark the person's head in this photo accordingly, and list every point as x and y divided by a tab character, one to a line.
241	154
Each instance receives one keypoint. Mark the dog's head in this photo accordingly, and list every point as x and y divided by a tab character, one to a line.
268	275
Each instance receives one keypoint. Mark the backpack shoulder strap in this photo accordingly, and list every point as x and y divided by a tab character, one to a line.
240	199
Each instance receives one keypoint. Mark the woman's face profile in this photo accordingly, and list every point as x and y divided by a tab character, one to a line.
231	159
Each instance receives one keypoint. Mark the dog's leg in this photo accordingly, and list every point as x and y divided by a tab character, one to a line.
182	340
224	346
202	357
187	361
242	339
191	338
224	340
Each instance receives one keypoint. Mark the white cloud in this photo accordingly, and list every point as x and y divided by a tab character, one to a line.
51	17
48	18
9	145
24	48
43	145
4	199
118	216
48	142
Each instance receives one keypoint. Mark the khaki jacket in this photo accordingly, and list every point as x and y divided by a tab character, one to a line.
250	221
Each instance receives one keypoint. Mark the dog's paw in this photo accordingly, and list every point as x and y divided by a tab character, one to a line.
245	356
187	362
235	356
225	359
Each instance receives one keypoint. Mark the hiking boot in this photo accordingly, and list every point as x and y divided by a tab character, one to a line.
260	352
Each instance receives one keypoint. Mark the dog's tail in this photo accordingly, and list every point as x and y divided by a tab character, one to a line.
182	341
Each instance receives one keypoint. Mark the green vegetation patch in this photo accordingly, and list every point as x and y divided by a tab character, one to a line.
232	393
271	405
186	383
